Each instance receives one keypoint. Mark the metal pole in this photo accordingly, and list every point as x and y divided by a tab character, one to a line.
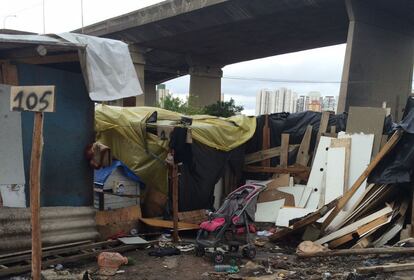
82	14
44	18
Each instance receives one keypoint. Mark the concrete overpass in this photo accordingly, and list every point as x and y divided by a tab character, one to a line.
199	37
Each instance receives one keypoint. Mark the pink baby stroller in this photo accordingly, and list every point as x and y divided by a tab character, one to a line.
233	220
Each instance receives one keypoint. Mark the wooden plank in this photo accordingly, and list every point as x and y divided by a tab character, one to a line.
309	219
193	217
335	173
368	120
354	226
9	74
174	186
385	268
360	157
168	224
302	157
35	168
289	213
272	195
360	252
117	216
284	150
387	147
266	139
296	191
48	59
323	125
265	154
346	143
290	169
317	174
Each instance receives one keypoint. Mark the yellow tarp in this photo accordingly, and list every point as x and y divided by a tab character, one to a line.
123	129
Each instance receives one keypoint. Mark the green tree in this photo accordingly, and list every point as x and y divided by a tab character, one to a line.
223	109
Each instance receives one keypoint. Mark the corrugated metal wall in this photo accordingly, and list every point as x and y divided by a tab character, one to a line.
59	225
67	179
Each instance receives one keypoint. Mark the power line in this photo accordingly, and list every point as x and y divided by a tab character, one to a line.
22	10
308	81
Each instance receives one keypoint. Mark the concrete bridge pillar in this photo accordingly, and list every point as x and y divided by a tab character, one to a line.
379	59
148	98
205	85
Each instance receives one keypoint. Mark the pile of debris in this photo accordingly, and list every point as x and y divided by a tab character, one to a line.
357	196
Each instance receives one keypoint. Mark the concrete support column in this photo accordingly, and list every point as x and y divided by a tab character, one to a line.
379	60
205	85
150	94
138	58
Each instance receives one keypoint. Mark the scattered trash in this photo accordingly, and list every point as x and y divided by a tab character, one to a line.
109	263
162	252
59	267
306	247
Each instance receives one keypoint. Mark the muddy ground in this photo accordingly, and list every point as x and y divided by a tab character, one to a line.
273	261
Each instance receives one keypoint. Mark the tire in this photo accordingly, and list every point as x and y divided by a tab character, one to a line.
234	248
218	257
249	252
199	251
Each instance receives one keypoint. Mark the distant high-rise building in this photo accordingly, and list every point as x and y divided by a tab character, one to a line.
329	103
302	103
161	93
279	100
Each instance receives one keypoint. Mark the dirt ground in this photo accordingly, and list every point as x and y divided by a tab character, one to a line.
272	262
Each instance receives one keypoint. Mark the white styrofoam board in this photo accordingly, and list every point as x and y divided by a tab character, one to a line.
13	195
335	172
296	191
288	213
361	149
268	211
11	143
317	174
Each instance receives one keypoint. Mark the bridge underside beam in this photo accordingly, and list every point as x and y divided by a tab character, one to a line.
379	60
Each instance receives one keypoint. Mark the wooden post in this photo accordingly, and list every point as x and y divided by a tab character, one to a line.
284	150
266	139
35	167
174	178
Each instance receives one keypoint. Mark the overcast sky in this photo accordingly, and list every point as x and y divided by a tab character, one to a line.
323	64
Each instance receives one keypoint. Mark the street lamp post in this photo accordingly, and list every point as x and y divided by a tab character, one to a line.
5	18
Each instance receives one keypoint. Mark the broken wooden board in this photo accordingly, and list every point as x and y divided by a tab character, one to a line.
168	224
296	191
361	148
303	156
346	143
335	173
284	150
316	175
355	226
193	217
274	194
289	213
385	268
368	120
265	154
268	211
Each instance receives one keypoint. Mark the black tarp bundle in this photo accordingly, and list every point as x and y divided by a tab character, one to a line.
398	165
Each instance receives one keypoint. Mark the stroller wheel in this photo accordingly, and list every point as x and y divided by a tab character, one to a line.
199	251
249	252
218	257
234	248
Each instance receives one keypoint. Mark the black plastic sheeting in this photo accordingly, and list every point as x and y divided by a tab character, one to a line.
295	125
199	176
398	165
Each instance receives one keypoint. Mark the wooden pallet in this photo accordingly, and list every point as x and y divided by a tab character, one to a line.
20	262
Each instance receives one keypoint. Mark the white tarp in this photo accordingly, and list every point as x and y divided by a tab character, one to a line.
110	73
